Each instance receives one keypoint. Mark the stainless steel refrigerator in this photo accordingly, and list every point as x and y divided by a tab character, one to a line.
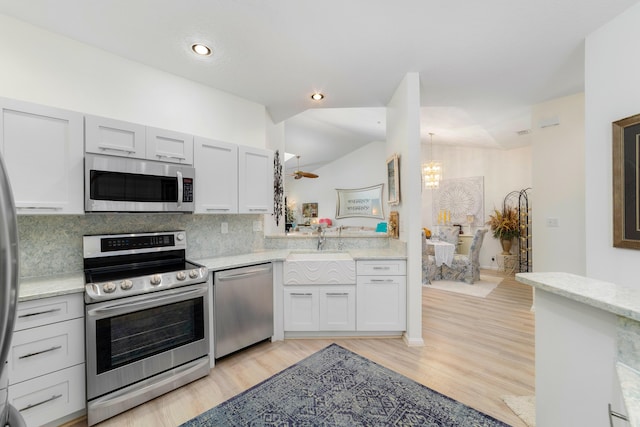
8	292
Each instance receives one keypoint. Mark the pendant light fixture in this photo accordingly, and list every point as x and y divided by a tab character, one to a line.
432	170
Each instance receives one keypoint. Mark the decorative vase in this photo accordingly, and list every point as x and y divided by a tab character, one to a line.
506	246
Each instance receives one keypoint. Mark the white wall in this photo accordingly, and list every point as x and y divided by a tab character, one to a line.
611	93
363	167
45	68
403	138
559	189
503	171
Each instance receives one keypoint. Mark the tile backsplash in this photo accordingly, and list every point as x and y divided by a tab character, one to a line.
51	244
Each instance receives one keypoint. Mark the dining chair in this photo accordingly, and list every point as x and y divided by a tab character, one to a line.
466	268
430	271
448	233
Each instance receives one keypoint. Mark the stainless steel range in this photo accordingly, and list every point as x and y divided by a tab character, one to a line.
147	319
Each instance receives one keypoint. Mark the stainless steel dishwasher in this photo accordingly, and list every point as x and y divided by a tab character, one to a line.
242	307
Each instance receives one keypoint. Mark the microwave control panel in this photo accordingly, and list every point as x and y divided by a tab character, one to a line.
187	190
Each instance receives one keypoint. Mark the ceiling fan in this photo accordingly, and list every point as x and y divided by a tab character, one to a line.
301	174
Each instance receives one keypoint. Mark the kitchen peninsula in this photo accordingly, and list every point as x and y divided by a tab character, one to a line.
587	350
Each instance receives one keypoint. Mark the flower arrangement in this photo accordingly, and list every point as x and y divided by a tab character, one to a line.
504	224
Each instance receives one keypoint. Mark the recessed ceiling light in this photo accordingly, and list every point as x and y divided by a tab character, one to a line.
317	96
201	49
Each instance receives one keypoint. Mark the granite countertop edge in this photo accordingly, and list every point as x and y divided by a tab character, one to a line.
617	299
32	288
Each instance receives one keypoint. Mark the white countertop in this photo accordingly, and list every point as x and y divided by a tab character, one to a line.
610	297
49	286
616	299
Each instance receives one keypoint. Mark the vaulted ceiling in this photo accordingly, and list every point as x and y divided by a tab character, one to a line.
482	64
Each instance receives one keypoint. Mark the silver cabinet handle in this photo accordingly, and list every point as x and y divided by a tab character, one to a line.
41	208
613	413
35	353
301	294
38	313
54	397
337	294
382	280
121	150
217	209
381	268
164	156
258	209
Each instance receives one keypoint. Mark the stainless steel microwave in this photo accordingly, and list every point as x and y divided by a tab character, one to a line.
122	184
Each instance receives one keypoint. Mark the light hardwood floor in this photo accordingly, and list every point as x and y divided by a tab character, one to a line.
476	351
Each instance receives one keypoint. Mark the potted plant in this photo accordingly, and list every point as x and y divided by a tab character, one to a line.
504	226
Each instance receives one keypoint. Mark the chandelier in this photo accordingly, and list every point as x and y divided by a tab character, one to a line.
432	170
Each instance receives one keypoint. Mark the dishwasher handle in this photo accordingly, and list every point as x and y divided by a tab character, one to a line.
234	275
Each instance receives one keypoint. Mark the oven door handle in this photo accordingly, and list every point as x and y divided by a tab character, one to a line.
146	302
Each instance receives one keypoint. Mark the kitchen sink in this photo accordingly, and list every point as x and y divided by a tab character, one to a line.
319	268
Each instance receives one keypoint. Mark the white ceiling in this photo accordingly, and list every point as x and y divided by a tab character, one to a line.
482	64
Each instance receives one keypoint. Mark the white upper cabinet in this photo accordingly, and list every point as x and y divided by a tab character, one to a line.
114	137
255	180
43	150
169	146
216	166
125	139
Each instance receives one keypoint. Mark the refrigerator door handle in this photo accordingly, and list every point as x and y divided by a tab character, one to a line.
8	263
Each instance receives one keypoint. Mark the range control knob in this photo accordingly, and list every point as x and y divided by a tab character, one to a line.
194	273
156	279
125	285
181	275
109	287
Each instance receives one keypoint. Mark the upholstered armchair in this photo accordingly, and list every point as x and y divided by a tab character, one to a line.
430	271
447	233
465	268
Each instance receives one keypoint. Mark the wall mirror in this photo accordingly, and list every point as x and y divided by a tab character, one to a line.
360	202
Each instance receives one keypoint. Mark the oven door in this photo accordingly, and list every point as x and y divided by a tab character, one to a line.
134	338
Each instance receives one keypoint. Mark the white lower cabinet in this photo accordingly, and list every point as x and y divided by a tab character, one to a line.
46	360
320	308
382	300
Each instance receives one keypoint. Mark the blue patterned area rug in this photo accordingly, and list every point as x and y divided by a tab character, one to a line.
335	387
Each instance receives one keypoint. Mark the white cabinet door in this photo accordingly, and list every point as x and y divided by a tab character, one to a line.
43	151
255	180
337	308
216	166
50	397
381	303
114	137
301	309
41	350
169	146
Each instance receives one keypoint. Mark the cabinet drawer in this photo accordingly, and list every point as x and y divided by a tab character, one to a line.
38	351
50	397
382	268
49	310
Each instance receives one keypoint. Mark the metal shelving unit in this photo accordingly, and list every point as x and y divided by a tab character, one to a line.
520	200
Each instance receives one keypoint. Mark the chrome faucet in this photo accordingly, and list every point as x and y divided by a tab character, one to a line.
321	238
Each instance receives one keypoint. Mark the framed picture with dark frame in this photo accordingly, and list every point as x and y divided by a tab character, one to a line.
393	179
626	170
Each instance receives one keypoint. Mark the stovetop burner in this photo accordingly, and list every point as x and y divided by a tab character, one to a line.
118	266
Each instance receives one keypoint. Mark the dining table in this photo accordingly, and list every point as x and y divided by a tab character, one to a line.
442	251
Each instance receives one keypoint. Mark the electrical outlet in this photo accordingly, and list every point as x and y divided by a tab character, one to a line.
224	227
257	226
552	222
493	259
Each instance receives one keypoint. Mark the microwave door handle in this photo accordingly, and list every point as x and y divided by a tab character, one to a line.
180	188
